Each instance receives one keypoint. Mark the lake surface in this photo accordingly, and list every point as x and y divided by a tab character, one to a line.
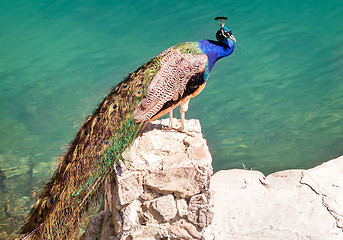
276	103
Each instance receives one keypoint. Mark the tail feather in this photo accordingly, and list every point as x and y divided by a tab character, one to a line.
77	184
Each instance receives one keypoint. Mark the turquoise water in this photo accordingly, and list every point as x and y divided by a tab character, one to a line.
275	103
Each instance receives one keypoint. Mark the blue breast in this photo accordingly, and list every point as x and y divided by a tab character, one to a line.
216	50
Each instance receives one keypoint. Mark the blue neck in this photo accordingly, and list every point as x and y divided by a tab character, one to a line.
216	50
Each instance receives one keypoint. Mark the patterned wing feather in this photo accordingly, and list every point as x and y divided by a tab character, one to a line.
170	82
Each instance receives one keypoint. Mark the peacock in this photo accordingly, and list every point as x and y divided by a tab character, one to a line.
170	79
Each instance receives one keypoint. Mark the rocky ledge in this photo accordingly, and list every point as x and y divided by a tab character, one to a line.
161	188
292	204
164	190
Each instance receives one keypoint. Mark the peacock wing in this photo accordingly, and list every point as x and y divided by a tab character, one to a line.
170	82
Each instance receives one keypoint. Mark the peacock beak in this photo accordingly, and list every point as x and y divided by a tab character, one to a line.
232	37
228	34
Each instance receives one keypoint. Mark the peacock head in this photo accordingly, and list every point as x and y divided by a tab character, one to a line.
224	32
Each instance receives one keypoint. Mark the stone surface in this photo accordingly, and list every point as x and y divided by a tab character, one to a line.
163	192
129	187
199	211
164	206
130	215
182	230
165	176
182	181
181	205
293	204
326	180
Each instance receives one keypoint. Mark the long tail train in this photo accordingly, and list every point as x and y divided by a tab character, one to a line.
76	185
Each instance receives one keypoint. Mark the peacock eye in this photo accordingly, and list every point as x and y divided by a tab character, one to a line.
115	106
138	93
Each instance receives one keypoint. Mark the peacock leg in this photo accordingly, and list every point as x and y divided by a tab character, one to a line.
183	110
170	120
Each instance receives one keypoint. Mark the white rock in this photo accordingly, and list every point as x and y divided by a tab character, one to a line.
327	181
165	206
129	187
130	215
161	166
182	181
183	230
199	211
181	205
294	204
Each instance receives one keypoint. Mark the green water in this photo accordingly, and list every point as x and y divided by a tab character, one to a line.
275	103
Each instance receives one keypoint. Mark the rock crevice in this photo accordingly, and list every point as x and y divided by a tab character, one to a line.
326	181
